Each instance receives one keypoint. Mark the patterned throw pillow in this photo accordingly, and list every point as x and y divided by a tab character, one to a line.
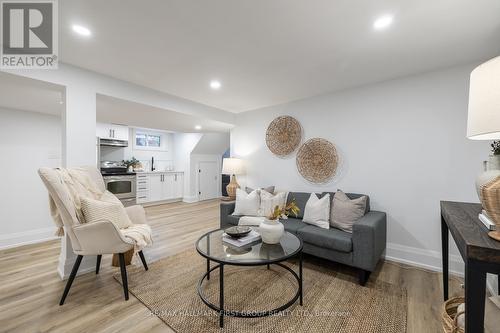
268	201
107	208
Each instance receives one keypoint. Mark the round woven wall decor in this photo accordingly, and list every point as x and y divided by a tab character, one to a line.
283	135
317	160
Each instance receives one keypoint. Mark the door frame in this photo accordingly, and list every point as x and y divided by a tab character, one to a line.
217	162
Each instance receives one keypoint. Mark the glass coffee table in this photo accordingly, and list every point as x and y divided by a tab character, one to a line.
214	249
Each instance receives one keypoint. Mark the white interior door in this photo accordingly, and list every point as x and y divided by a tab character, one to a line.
208	180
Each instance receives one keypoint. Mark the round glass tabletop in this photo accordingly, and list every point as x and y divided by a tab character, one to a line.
211	246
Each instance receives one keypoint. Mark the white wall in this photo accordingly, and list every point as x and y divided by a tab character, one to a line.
402	142
164	157
184	144
28	141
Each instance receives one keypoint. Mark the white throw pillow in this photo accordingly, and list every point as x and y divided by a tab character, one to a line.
317	211
268	201
106	209
247	203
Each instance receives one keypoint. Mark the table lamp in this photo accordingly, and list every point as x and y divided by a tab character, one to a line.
233	167
483	123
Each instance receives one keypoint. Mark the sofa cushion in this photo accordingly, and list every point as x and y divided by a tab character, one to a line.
292	225
301	200
351	196
332	239
233	219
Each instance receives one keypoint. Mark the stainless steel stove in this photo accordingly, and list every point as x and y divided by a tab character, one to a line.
119	181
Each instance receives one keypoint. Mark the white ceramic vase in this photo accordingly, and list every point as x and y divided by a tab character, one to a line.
271	231
491	171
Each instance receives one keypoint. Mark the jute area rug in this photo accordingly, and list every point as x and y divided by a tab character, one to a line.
331	304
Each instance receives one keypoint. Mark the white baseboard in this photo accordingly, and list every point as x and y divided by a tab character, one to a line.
27	237
427	259
190	199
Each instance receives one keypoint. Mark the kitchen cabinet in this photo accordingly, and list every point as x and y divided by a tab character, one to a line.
156	187
112	131
159	186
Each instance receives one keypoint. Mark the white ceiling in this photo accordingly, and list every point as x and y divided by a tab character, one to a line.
118	111
25	94
20	93
268	52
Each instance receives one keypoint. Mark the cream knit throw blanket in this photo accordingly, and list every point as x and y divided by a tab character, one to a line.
79	185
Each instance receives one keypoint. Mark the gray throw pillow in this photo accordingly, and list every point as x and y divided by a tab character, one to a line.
346	211
269	189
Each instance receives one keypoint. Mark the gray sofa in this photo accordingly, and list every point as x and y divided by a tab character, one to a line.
361	249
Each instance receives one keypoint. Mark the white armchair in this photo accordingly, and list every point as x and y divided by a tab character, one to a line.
97	238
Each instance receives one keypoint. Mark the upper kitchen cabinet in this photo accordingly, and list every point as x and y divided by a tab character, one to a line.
112	131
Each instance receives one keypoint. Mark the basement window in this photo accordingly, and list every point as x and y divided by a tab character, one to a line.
147	140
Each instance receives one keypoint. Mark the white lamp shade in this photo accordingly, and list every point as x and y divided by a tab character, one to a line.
483	121
232	166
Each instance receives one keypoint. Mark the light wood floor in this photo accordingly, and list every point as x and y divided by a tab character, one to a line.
30	287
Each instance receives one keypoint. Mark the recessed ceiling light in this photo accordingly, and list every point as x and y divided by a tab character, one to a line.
383	22
215	85
197	127
81	30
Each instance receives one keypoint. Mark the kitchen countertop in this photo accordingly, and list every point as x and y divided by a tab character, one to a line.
156	171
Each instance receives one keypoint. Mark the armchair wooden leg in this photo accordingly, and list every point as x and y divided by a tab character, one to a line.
98	263
124	275
143	260
71	278
363	276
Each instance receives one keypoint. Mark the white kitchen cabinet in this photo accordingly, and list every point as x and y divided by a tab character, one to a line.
168	186
119	132
159	186
112	131
156	187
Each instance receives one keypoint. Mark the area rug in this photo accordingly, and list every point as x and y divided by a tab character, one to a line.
331	304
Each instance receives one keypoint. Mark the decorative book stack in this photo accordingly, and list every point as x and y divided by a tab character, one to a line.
487	221
252	237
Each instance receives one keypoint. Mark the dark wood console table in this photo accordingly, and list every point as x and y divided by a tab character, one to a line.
480	253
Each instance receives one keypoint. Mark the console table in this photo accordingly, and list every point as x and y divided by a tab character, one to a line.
481	255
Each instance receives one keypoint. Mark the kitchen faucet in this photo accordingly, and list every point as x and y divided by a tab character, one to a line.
152	163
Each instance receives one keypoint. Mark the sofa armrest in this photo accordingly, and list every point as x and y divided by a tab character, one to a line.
226	209
101	237
369	237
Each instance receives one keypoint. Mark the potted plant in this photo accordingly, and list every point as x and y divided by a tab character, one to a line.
131	164
494	163
271	229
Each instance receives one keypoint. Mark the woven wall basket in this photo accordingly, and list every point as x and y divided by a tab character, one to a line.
317	160
283	135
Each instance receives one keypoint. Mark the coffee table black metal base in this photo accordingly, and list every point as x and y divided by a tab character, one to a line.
248	314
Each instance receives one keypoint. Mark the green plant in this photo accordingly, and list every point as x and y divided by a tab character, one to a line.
495	147
284	211
131	163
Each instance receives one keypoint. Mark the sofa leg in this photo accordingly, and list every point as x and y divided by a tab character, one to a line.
98	263
363	276
124	275
143	260
71	278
